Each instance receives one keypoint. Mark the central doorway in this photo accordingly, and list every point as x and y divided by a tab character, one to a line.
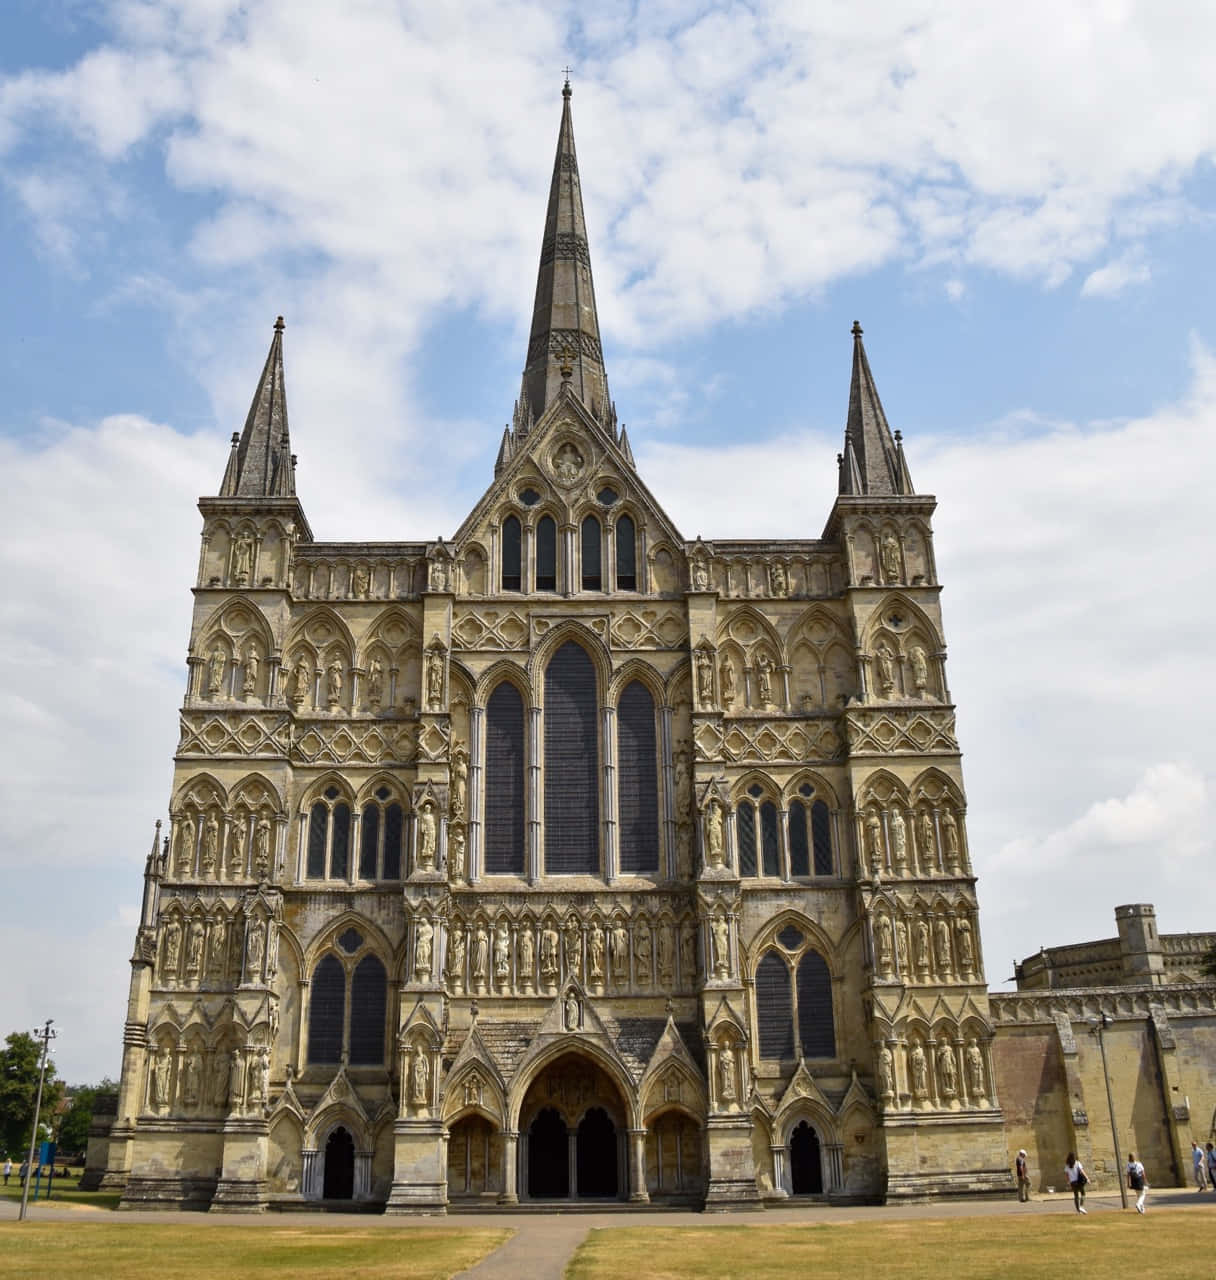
596	1163
548	1157
339	1181
806	1169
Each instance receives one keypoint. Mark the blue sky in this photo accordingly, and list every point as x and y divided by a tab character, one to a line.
1023	226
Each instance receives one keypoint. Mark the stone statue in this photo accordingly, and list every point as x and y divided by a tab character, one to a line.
705	678
527	956
922	945
424	935
975	1070
185	846
172	951
301	680
700	574
420	1076
264	1074
217	949
456	955
261	849
255	949
502	956
720	932
643	954
883	931
886	1072
688	953
428	836
236	850
217	668
437	575
194	946
683	781
890	557
456	851
211	844
920	669
941	940
684	851
899	842
715	849
272	949
924	838
253	1081
966	946
219	1081
726	674
726	1074
567	464
618	952
947	1071
778	579
595	952
242	559
903	949
375	682
236	1080
548	954
333	682
473	1090
572	945
460	781
434	678
666	950
764	678
886	668
361	581
192	1075
160	1077
950	837
481	957
572	1011
920	1071
249	681
874	845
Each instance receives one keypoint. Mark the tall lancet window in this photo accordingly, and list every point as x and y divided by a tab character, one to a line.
512	558
546	554
626	555
572	811
638	780
504	823
592	574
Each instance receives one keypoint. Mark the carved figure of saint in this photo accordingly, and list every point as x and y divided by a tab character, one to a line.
160	1078
683	781
253	1080
966	946
375	682
595	953
688	953
249	680
975	1070
481	955
920	670
779	580
434	678
473	1090
874	844
255	949
428	836
272	949
726	1074
502	956
882	928
456	955
684	851
666	949
548	954
922	945
242	559
643	953
899	841
185	846
947	1071
890	557
261	848
572	1011
264	1075
941	942
172	951
236	850
700	574
211	845
437	571
420	1076
950	837
236	1080
715	851
217	668
362	581
764	678
618	952
705	678
194	946
333	682
192	1074
217	948
527	955
720	930
424	935
460	780
456	851
924	838
301	680
726	674
567	464
920	1070
886	667
219	1081
886	1072
901	942
572	946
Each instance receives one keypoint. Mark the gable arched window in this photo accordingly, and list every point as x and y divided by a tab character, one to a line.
637	781
546	554
328	838
381	837
592	570
774	1009
756	834
572	811
816	1031
810	835
348	1004
512	555
626	555
504	782
794	999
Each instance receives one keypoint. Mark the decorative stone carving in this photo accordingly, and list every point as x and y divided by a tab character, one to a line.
456	956
976	1081
700	573
361	581
918	1064
420	1077
684	851
424	934
209	852
375	683
434	678
643	955
572	946
474	1089
666	955
903	947
683	784
705	677
886	949
885	663
527	957
890	557
184	859
874	852
481	957
927	844
950	839
899	842
171	952
460	781
966	946
194	948
688	953
437	574
249	680
886	1073
242	558
720	938
236	1080
778	580
456	851
217	668
595	953
572	1011
919	664
301	682
618	952
947	1071
567	464
726	675
726	1076
219	1081
217	950
428	835
921	936
333	683
255	950
158	1070
261	849
502	957
764	678
941	944
234	863
715	843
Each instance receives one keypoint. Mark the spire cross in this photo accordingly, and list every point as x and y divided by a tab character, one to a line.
566	72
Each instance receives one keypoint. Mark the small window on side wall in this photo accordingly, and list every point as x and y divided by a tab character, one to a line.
512	578
626	555
592	572
546	554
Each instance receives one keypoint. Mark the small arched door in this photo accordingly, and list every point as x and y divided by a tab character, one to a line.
339	1181
596	1162
548	1157
806	1167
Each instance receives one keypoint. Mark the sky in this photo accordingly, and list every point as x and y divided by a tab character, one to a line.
1017	202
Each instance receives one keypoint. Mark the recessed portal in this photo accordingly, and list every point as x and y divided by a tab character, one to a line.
339	1166
806	1170
597	1149
548	1157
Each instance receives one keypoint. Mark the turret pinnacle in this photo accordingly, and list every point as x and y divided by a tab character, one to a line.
873	461
565	337
261	464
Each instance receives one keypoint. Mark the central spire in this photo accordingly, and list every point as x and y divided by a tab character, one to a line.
564	345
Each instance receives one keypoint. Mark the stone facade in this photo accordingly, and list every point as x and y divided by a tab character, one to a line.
568	858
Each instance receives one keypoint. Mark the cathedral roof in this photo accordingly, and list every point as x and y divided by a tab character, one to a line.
873	460
261	465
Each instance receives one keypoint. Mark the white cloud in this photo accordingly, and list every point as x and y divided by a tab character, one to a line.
1110	280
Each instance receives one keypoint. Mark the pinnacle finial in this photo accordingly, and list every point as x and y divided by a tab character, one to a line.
279	326
857	331
567	92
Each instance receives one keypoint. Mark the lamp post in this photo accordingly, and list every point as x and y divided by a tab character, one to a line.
47	1036
1097	1027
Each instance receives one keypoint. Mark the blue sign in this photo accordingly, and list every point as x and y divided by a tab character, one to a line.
46	1153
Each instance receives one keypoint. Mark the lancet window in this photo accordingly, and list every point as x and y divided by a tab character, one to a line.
381	837
546	554
626	554
794	1000
810	834
329	830
348	1004
592	567
637	780
571	764
504	782
512	555
756	823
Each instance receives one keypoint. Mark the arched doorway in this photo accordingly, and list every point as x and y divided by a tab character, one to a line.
339	1181
548	1157
474	1158
597	1151
806	1168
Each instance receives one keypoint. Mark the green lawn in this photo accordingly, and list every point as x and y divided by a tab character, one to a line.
1160	1245
64	1191
138	1251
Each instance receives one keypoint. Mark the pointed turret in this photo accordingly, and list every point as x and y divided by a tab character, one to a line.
873	460
261	465
564	344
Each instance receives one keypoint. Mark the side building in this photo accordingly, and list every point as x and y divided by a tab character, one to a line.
567	858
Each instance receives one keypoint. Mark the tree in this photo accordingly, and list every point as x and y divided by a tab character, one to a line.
18	1088
74	1128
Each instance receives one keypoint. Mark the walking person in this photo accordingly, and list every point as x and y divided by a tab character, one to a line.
8	1169
1136	1180
1198	1159
1211	1165
1022	1168
1074	1171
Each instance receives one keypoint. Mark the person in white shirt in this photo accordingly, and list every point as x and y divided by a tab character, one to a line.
1074	1171
1199	1160
1136	1180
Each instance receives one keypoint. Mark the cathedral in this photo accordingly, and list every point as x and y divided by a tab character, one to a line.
562	858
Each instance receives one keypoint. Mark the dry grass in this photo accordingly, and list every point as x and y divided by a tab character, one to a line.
139	1251
1162	1245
